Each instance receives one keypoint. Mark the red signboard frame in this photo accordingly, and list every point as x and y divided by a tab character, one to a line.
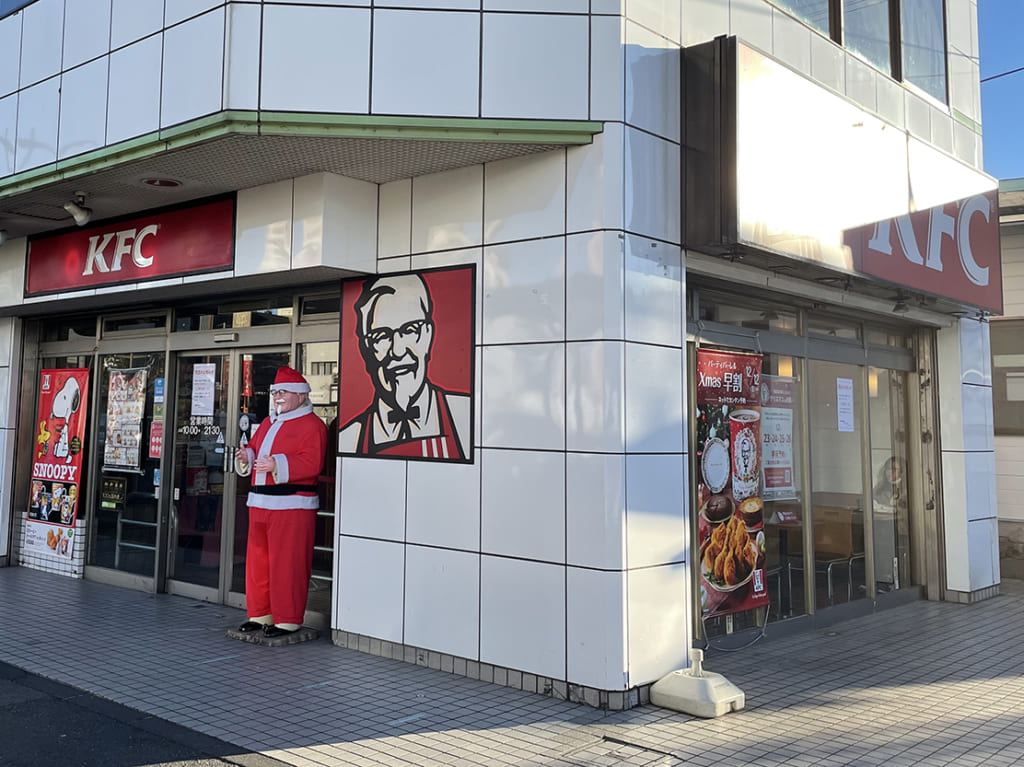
170	242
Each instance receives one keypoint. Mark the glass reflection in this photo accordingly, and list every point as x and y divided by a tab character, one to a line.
924	47
814	12
866	31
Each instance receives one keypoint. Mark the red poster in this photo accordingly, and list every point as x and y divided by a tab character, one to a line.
156	439
407	351
57	462
729	491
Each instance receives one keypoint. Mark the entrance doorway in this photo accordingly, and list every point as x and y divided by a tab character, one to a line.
220	400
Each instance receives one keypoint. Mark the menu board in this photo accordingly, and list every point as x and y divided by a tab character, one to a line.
777	397
126	406
729	489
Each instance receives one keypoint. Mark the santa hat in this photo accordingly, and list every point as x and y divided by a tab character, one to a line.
289	379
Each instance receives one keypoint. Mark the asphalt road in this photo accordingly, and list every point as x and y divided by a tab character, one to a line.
45	723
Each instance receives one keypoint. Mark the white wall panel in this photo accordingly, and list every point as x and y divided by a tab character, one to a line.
791	41
980	485
346	213
660	16
8	132
369	582
652	82
595	493
134	102
538	6
524	197
523	504
653	292
524	291
443	504
242	60
524	396
131	20
704	20
193	69
596	628
654	399
595	372
372	498
659	634
315	59
448	209
656	526
179	10
86	31
606	68
263	229
983	549
594	176
37	125
426	63
751	20
42	33
394	228
10	53
83	122
594	286
651	189
535	66
442	600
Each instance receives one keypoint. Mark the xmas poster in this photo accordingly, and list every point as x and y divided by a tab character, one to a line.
126	404
57	462
729	489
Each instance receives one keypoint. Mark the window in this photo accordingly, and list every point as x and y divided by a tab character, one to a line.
915	52
1008	376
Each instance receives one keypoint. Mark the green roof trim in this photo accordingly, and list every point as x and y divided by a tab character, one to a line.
316	125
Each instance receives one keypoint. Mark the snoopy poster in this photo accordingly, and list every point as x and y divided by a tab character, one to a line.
57	462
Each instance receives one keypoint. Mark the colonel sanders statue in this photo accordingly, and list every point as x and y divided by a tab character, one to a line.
284	457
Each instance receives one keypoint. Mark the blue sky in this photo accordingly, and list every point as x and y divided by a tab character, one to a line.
1000	33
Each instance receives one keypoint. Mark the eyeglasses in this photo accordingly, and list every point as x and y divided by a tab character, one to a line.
279	392
381	338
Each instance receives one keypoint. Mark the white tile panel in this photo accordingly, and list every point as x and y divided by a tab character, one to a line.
751	20
980	485
704	20
594	396
606	6
10	53
654	399
954	510
595	502
918	113
365	3
83	126
652	82
448	209
193	69
8	132
394	220
595	182
8	411
445	5
131	20
458	258
653	292
977	417
522	616
369	585
242	59
348	217
263	229
651	188
942	129
133	108
442	600
963	81
535	66
594	286
372	498
659	634
86	31
596	626
37	125
305	49
860	82
606	68
828	65
791	41
660	16
179	10
523	504
404	41
958	24
524	291
889	99
538	6
443	504
7	342
983	550
967	147
524	396
41	36
524	197
656	527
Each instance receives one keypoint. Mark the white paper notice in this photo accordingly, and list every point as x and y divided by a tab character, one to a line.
844	403
204	377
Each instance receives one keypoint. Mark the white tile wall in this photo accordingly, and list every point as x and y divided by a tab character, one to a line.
918	113
425	62
860	82
651	188
654	399
443	504
594	286
595	493
7	341
8	132
524	396
595	176
977	417
193	69
42	32
983	549
37	125
394	229
448	209
535	66
458	258
375	611
442	600
596	625
524	197
524	291
889	100
10	53
448	5
660	16
348	218
8	412
791	41
372	494
751	20
606	68
315	59
606	6
980	485
595	396
82	126
659	634
653	292
133	106
523	504
828	65
652	82
975	353
242	62
132	20
179	10
86	31
704	20
522	615
656	526
263	229
538	6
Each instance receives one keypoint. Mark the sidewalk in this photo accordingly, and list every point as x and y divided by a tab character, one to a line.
925	684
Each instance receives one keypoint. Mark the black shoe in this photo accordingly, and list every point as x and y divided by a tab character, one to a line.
276	631
250	627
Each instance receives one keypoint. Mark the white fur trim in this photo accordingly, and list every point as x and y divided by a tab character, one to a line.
281	473
298	388
276	502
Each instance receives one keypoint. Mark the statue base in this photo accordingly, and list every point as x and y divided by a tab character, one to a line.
304	634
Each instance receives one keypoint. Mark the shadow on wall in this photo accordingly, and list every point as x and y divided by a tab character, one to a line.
1011	549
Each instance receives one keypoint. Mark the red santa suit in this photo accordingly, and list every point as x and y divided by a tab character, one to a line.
282	508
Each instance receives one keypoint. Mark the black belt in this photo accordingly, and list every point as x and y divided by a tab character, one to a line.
285	489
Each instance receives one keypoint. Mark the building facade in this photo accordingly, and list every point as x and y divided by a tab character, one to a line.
607	203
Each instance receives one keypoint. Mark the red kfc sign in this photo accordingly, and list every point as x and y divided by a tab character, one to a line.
197	238
950	250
